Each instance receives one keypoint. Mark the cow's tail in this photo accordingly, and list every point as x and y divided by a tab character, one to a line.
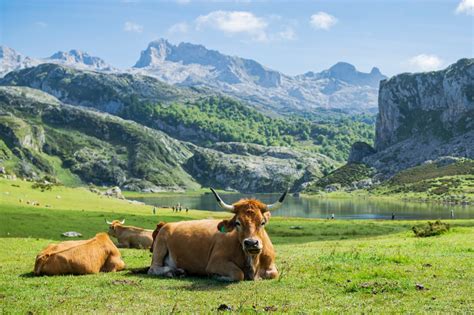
155	233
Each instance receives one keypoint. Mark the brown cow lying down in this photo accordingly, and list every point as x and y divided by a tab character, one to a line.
232	250
130	236
79	257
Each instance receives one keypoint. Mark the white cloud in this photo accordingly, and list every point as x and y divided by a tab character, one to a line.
41	24
132	27
178	28
183	1
465	7
233	22
425	62
287	34
323	20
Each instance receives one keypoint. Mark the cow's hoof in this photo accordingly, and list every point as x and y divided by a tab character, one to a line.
179	272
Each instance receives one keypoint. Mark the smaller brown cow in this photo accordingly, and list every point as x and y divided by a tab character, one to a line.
95	255
130	236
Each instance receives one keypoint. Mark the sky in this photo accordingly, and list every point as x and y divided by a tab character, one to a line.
289	36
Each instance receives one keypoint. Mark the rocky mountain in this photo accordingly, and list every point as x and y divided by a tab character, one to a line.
340	87
422	117
108	92
10	60
79	59
40	135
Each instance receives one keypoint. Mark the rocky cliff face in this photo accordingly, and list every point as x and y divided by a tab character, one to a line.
424	116
438	104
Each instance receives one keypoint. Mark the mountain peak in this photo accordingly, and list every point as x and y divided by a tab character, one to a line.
348	73
156	52
81	58
342	68
375	71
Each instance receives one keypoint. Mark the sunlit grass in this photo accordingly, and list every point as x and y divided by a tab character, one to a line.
326	265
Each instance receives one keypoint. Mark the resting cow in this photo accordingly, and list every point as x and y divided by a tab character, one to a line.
130	236
233	250
79	257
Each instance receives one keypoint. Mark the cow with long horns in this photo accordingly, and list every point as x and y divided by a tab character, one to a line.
232	250
130	236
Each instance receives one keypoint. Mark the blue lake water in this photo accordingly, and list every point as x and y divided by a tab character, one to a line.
356	208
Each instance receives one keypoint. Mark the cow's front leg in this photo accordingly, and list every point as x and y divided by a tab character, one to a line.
112	264
225	271
269	273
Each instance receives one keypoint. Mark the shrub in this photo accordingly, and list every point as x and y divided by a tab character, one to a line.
431	229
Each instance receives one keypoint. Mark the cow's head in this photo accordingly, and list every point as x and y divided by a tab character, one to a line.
249	220
113	226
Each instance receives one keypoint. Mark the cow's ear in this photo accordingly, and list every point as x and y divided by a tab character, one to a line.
226	226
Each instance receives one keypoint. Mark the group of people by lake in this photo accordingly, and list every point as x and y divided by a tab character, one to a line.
176	208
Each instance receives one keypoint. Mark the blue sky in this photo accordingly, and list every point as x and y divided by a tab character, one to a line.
290	36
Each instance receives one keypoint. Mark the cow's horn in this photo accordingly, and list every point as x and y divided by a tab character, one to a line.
277	204
122	222
222	203
106	221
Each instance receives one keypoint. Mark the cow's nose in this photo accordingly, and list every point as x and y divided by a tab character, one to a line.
249	242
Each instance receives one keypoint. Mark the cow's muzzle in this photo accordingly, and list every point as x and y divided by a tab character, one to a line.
252	246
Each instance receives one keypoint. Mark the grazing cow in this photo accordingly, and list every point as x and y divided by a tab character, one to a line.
232	250
79	257
130	236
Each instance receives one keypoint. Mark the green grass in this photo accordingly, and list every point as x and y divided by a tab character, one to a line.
327	266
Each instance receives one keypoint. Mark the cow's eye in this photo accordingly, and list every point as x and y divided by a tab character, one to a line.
263	223
237	223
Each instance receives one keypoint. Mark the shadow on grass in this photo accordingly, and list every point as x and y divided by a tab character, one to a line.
192	283
30	274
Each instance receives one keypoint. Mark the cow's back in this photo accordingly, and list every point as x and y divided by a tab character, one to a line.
75	257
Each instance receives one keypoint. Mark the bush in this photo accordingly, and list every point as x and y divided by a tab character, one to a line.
431	229
46	183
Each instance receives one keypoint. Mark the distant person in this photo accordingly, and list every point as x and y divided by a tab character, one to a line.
172	208
154	209
332	216
187	210
452	214
393	216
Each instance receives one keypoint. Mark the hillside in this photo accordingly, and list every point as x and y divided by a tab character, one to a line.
193	115
43	136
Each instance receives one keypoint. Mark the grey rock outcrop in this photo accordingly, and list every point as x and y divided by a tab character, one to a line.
424	116
359	151
435	104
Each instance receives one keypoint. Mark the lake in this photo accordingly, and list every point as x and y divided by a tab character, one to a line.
355	208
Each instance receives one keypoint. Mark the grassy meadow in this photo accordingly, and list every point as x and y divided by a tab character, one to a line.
331	266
